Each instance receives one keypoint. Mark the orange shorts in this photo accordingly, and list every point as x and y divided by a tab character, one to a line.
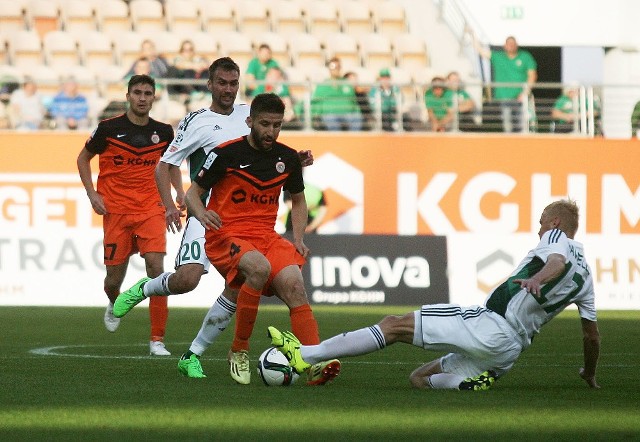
225	252
125	235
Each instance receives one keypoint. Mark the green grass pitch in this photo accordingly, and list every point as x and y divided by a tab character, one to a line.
64	377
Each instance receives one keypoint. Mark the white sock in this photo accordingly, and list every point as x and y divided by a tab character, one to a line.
445	381
158	286
215	321
354	343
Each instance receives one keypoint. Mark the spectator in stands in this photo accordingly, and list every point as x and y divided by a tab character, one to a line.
461	101
384	96
362	98
69	108
159	66
635	121
257	68
26	110
8	84
274	82
142	66
188	64
439	106
511	65
334	101
566	112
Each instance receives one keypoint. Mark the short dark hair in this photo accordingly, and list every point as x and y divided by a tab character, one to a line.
141	79
225	64
266	103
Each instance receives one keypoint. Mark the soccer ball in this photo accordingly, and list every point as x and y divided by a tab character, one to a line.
274	369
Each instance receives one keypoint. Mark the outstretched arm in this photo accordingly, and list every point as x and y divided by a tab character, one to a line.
552	269
484	51
591	349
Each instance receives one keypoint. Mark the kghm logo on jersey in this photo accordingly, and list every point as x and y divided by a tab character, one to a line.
280	167
239	196
119	160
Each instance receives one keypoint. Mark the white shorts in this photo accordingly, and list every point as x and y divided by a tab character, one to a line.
478	339
192	246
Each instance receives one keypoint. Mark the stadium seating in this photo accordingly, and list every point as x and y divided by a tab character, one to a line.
43	16
96	50
356	17
217	16
78	16
25	49
205	44
390	18
12	17
237	46
322	18
182	16
252	17
112	17
306	52
376	51
343	46
127	47
410	51
47	78
167	43
60	49
287	17
147	16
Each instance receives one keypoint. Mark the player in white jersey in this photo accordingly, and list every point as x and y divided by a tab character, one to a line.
198	133
484	342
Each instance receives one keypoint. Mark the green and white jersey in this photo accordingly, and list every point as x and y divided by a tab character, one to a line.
202	130
527	313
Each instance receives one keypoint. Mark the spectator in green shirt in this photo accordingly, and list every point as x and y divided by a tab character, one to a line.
439	106
461	101
257	69
334	101
274	82
511	65
566	112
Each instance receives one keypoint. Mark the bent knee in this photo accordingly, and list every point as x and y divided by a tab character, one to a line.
185	279
398	328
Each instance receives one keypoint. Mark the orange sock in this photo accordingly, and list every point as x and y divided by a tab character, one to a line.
304	325
246	312
158	314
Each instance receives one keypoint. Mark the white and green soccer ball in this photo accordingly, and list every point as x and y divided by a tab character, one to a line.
274	369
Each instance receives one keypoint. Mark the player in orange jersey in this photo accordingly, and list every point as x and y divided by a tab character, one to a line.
129	147
246	177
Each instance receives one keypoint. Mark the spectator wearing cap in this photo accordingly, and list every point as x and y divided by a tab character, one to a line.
384	98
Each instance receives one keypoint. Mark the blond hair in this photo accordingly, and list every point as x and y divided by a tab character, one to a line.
568	212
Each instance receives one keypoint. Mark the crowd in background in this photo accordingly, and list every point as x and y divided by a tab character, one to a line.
340	102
